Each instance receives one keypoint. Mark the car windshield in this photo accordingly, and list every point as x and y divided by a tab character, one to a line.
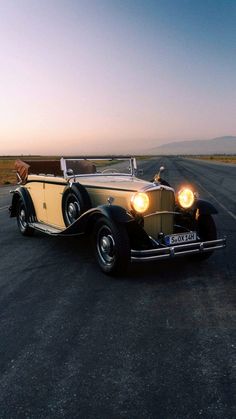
101	165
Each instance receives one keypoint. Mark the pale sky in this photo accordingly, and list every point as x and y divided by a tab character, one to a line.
112	76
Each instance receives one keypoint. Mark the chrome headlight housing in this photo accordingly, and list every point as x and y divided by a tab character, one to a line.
140	202
185	198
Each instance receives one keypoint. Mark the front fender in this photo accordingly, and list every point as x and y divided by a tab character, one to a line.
116	213
85	223
22	193
205	207
88	218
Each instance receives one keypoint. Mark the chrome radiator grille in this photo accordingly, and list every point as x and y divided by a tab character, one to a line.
154	222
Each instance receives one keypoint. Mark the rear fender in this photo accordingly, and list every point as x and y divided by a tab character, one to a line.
22	193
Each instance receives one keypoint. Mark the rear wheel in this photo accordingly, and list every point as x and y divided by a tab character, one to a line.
206	230
22	219
111	246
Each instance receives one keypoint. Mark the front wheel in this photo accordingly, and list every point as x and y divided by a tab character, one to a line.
206	230
22	220
111	246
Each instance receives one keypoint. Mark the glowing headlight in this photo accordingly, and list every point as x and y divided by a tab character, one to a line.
140	202
186	198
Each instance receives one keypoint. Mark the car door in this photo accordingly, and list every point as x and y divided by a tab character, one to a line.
53	201
36	190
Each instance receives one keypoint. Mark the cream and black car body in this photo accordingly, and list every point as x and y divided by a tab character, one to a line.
128	218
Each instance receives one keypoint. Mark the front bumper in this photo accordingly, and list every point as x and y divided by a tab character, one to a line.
178	250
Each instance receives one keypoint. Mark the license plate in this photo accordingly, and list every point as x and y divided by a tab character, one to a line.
181	238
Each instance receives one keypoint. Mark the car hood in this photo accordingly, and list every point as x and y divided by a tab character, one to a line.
114	182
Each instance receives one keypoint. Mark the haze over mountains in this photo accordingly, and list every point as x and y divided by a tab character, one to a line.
219	145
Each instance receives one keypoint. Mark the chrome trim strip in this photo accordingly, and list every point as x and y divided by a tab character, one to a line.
100	175
160	213
179	250
45	228
154	187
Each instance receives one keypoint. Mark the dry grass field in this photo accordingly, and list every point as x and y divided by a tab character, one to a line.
8	174
7	171
223	159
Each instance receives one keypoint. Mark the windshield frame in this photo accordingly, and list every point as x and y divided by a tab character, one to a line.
132	165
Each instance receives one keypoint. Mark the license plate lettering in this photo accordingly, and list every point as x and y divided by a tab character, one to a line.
181	238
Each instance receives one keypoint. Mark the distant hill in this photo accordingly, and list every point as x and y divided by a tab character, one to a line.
219	145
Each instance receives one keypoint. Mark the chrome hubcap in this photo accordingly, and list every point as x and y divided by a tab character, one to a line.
73	211
22	218
106	246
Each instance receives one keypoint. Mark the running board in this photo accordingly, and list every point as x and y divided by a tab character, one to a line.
45	228
53	231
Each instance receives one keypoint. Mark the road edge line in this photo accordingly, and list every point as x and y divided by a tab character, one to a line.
218	202
3	208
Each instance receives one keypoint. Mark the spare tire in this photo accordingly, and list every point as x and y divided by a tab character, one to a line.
75	202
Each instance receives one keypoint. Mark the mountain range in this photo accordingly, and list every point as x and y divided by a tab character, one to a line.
219	145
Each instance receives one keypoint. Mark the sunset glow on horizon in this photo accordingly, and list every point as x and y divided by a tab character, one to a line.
88	77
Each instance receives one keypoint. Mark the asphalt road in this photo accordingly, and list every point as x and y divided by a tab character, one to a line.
158	343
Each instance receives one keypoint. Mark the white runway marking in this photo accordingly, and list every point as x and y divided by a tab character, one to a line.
218	202
3	208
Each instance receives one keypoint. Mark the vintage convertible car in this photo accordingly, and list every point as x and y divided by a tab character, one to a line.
128	218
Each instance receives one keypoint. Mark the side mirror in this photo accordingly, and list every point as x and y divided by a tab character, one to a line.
70	172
